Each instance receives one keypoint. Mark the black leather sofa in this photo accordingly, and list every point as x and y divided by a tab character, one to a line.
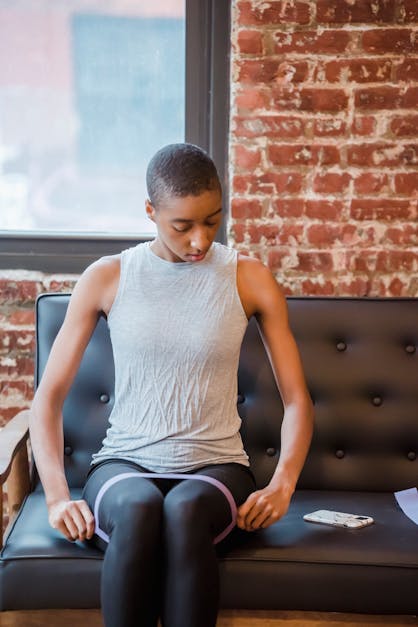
361	362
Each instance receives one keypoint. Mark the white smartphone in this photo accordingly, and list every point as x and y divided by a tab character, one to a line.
338	519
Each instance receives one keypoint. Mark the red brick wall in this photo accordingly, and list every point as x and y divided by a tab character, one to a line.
324	143
18	291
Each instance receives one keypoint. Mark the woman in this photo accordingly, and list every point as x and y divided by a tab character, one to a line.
172	468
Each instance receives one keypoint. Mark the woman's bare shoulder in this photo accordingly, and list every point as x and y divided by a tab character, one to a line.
258	288
105	267
97	285
103	276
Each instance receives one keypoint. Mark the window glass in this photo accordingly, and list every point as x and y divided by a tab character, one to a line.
88	92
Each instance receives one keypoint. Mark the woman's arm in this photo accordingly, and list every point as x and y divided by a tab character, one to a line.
91	295
262	297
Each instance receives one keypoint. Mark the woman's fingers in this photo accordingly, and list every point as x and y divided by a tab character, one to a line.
245	511
265	514
62	527
75	522
71	525
261	509
88	518
73	519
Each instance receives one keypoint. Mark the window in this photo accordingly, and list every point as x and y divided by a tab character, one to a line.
87	95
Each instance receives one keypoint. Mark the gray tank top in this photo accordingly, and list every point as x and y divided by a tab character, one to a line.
176	332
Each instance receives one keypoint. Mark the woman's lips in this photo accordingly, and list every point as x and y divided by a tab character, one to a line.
197	257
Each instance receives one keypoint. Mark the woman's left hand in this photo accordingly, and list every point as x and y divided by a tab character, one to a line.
263	508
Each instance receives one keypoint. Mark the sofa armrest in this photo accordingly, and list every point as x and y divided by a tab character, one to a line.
14	464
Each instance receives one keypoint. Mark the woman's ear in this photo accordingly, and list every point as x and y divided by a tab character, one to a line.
150	210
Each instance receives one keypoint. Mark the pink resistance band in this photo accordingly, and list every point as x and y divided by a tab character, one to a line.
152	475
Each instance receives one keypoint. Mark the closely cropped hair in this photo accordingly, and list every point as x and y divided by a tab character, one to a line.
180	170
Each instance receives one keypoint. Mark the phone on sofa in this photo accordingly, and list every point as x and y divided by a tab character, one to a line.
338	519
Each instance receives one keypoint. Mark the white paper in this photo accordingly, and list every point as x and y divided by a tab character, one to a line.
408	502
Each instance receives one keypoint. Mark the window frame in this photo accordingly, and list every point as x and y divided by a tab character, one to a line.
207	124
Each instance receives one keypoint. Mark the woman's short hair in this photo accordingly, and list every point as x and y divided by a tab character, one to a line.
180	170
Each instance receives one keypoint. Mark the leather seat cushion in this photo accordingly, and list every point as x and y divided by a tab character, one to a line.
291	565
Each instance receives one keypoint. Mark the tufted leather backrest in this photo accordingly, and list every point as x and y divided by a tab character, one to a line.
90	399
361	366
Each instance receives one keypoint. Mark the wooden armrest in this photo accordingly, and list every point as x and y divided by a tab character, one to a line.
14	465
12	438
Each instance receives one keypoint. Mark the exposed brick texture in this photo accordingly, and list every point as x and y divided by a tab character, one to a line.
324	105
18	292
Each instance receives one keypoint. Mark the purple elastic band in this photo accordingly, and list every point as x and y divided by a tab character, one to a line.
152	475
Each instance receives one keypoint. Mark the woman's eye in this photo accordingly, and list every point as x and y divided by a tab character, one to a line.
186	228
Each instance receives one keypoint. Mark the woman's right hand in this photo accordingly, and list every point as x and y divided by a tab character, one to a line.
73	519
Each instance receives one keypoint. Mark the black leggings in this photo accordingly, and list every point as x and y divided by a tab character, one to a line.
160	559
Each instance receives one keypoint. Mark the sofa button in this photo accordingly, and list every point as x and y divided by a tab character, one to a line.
341	346
377	401
104	398
410	348
271	451
412	456
240	399
339	454
68	450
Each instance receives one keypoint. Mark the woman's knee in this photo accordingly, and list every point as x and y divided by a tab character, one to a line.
131	512
132	508
184	510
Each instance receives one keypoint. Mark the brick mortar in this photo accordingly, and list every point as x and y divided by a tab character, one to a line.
371	180
17	340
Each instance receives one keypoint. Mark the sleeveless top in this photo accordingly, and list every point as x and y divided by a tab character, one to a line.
176	331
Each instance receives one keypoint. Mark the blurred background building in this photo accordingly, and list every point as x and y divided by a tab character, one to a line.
89	90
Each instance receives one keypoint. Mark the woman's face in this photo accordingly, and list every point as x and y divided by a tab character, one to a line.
186	226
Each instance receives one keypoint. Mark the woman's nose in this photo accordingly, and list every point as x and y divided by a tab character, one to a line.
199	241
